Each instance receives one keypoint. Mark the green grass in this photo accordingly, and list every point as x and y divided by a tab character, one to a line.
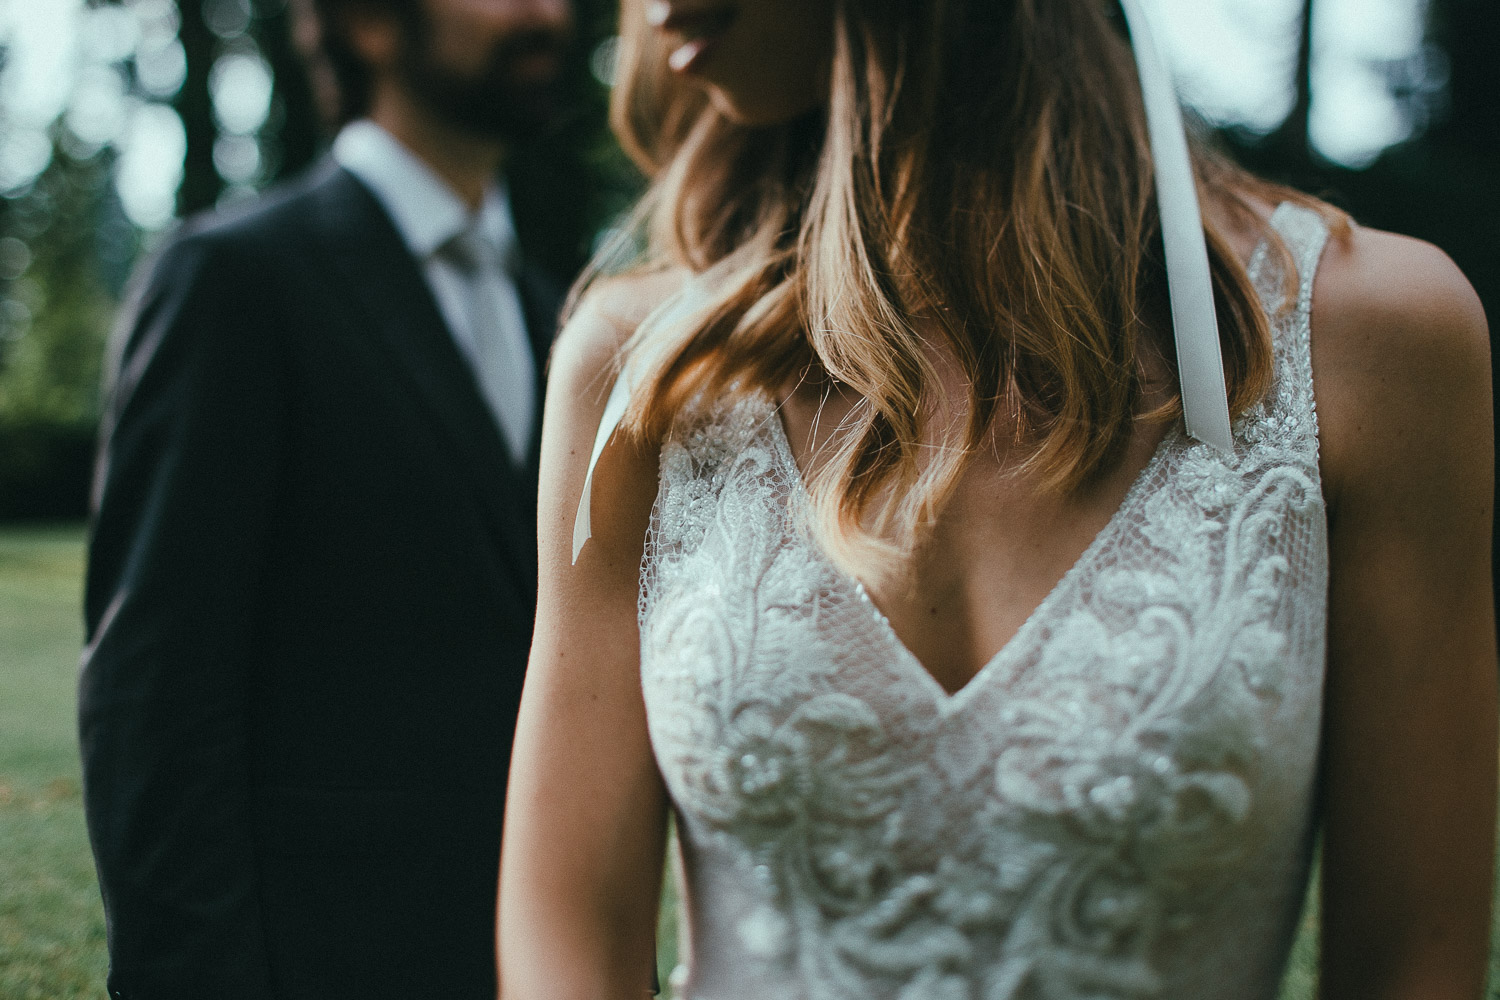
51	923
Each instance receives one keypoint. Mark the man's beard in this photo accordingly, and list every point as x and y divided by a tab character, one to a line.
494	103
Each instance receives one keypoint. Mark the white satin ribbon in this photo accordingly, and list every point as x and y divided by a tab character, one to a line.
1195	326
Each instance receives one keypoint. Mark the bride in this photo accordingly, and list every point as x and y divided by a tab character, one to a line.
1002	538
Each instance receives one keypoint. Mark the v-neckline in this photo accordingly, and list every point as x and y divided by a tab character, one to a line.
951	701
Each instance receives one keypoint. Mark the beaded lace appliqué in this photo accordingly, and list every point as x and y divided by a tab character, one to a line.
1053	828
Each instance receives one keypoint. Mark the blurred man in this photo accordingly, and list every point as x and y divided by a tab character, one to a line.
311	578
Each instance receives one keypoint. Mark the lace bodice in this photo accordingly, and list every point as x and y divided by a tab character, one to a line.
1118	805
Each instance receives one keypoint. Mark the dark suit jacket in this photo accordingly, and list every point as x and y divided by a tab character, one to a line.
310	596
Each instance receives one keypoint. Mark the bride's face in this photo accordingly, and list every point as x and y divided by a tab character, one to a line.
762	61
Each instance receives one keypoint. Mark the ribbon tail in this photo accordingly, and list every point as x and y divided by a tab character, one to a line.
614	412
1195	325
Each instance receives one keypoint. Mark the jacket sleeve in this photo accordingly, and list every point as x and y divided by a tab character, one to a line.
183	497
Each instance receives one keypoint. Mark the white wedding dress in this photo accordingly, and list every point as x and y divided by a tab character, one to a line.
1120	804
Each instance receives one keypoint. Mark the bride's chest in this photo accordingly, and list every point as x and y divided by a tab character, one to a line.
1143	698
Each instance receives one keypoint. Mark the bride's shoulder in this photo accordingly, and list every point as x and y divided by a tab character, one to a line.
1394	287
587	348
1400	352
583	368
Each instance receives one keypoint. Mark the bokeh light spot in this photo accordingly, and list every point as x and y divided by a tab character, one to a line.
241	85
150	167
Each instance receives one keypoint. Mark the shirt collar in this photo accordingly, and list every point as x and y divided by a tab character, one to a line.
426	211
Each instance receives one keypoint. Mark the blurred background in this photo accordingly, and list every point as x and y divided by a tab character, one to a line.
120	117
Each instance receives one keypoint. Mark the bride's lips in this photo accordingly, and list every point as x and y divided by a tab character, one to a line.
698	26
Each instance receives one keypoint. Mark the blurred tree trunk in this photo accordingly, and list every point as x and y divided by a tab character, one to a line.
293	136
1290	144
201	183
1286	154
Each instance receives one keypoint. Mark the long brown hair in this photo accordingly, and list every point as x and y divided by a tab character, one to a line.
981	164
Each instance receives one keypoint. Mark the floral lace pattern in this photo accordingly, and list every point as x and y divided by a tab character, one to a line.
1117	805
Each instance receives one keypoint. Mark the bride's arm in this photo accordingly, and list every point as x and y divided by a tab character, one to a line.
1403	383
585	810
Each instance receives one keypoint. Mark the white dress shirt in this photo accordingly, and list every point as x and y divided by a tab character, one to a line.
479	302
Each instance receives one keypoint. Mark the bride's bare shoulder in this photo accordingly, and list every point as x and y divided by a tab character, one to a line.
581	372
1394	292
1400	354
587	348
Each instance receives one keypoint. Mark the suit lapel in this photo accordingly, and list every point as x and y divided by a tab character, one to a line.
372	260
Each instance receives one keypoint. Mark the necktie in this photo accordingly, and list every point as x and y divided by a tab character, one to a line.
503	363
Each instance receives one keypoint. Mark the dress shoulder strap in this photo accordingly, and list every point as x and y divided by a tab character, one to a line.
1305	234
1284	277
